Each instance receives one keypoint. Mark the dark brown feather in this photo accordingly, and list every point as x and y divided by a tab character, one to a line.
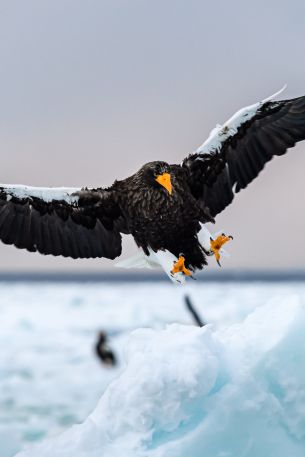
213	178
85	230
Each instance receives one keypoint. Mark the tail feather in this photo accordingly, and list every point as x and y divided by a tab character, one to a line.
163	259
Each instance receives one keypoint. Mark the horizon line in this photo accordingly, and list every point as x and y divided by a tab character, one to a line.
107	276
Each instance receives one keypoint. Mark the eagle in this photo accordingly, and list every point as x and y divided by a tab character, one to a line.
159	200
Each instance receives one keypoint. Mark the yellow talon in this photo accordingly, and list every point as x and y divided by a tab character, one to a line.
217	244
179	267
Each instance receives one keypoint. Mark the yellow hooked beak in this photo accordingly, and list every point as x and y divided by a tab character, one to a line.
165	181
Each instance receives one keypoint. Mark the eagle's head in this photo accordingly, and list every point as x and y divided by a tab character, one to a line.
158	174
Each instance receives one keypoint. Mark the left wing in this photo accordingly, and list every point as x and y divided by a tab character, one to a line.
236	152
77	223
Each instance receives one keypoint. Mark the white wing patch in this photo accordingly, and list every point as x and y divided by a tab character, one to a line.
222	132
46	194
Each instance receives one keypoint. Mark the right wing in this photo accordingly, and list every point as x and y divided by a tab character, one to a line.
236	152
77	223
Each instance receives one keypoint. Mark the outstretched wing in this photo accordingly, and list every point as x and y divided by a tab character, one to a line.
236	152
77	223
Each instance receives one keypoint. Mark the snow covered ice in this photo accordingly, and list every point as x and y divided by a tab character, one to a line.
233	388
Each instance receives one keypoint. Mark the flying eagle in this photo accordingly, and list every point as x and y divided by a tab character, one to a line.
158	200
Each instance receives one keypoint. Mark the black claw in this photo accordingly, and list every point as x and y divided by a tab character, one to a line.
218	263
230	236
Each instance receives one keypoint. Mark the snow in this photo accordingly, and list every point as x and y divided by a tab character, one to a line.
221	133
233	388
44	193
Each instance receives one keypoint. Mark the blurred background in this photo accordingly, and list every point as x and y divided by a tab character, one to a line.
89	91
92	90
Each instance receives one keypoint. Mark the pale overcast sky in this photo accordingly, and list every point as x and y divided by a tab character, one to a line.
90	90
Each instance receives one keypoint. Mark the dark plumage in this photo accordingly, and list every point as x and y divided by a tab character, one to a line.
190	307
103	352
162	206
275	127
158	220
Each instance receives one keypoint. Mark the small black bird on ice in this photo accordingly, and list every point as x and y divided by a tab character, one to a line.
103	351
164	207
